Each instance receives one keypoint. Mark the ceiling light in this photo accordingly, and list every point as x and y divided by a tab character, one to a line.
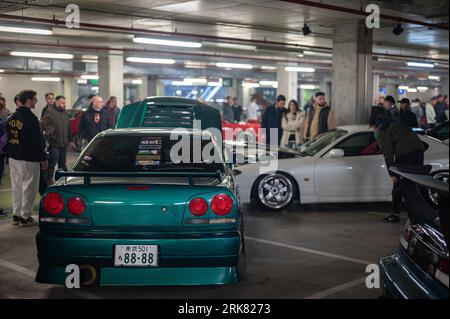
165	42
150	60
300	55
299	69
195	92
434	77
137	81
306	29
2	71
89	77
268	68
45	79
412	90
82	81
196	80
316	53
403	87
94	88
26	30
194	65
63	56
307	87
398	29
234	65
250	85
422	88
420	64
215	84
268	83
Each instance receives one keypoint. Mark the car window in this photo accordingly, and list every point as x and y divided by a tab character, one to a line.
144	153
318	143
361	144
442	133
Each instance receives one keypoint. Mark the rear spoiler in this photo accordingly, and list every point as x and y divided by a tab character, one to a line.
88	175
424	180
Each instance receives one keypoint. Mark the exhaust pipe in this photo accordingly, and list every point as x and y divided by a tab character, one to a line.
88	275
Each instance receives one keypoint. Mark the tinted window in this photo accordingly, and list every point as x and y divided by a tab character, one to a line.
144	153
362	144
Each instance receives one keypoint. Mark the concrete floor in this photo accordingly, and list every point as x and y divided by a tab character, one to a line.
311	251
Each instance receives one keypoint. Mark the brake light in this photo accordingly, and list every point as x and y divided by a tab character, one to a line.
76	206
138	188
222	204
53	203
198	207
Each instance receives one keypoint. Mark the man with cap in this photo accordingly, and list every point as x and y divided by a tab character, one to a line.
390	107
406	115
441	109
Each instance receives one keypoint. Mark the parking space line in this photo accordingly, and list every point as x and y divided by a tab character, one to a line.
336	289
32	274
311	251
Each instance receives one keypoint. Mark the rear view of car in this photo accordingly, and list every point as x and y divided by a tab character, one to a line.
128	215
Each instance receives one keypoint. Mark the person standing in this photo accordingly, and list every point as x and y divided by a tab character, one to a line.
112	111
431	112
319	119
237	110
271	121
292	123
253	113
390	107
25	149
400	146
227	109
441	110
56	125
93	120
3	141
406	115
49	100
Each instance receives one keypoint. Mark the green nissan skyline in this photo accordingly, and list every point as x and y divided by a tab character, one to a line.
144	206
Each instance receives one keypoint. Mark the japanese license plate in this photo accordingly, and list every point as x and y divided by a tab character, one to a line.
136	256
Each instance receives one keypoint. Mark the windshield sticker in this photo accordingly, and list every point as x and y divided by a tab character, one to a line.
149	152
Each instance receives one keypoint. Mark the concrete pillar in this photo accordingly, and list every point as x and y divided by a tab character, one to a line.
287	84
152	83
142	89
376	89
159	88
325	87
70	91
444	86
110	70
352	72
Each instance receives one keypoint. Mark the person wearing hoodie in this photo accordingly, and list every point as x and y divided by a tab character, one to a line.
93	120
400	146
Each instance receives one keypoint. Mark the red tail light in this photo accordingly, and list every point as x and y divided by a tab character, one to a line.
443	265
222	204
198	207
53	203
76	206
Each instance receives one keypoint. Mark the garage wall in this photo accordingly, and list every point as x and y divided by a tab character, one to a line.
10	85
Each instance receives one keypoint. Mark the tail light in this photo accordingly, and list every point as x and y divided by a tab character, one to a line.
76	206
198	207
222	204
53	203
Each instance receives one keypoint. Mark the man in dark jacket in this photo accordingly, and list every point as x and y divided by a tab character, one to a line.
50	101
390	107
406	115
25	150
112	111
271	121
56	125
400	146
93	120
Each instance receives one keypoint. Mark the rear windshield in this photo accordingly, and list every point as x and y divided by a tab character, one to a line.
150	153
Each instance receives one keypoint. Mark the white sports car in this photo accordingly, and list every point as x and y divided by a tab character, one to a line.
343	165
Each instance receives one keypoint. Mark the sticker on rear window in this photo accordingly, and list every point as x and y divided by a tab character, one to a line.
149	152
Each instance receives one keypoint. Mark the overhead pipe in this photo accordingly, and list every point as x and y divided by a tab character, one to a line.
361	12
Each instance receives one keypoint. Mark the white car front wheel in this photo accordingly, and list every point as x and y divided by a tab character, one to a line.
275	191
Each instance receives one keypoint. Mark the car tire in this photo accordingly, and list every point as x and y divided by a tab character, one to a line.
274	192
77	143
241	265
432	197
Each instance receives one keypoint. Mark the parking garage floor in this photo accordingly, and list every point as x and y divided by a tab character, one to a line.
309	251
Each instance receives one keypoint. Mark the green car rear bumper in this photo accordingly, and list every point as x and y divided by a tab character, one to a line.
210	259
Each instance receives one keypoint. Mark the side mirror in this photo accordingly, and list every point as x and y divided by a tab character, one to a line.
335	153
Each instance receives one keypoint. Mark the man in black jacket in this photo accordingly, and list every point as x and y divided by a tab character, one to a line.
406	115
271	121
25	149
93	121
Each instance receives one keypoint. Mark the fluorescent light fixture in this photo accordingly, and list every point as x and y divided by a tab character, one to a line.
420	64
82	81
62	56
89	77
412	90
307	87
403	87
250	85
182	83
166	42
196	80
195	92
178	92
301	55
214	83
2	71
434	77
25	30
45	79
150	60
137	81
94	88
422	88
315	53
234	65
299	69
268	83
268	68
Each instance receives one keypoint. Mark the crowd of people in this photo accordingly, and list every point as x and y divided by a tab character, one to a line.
33	147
